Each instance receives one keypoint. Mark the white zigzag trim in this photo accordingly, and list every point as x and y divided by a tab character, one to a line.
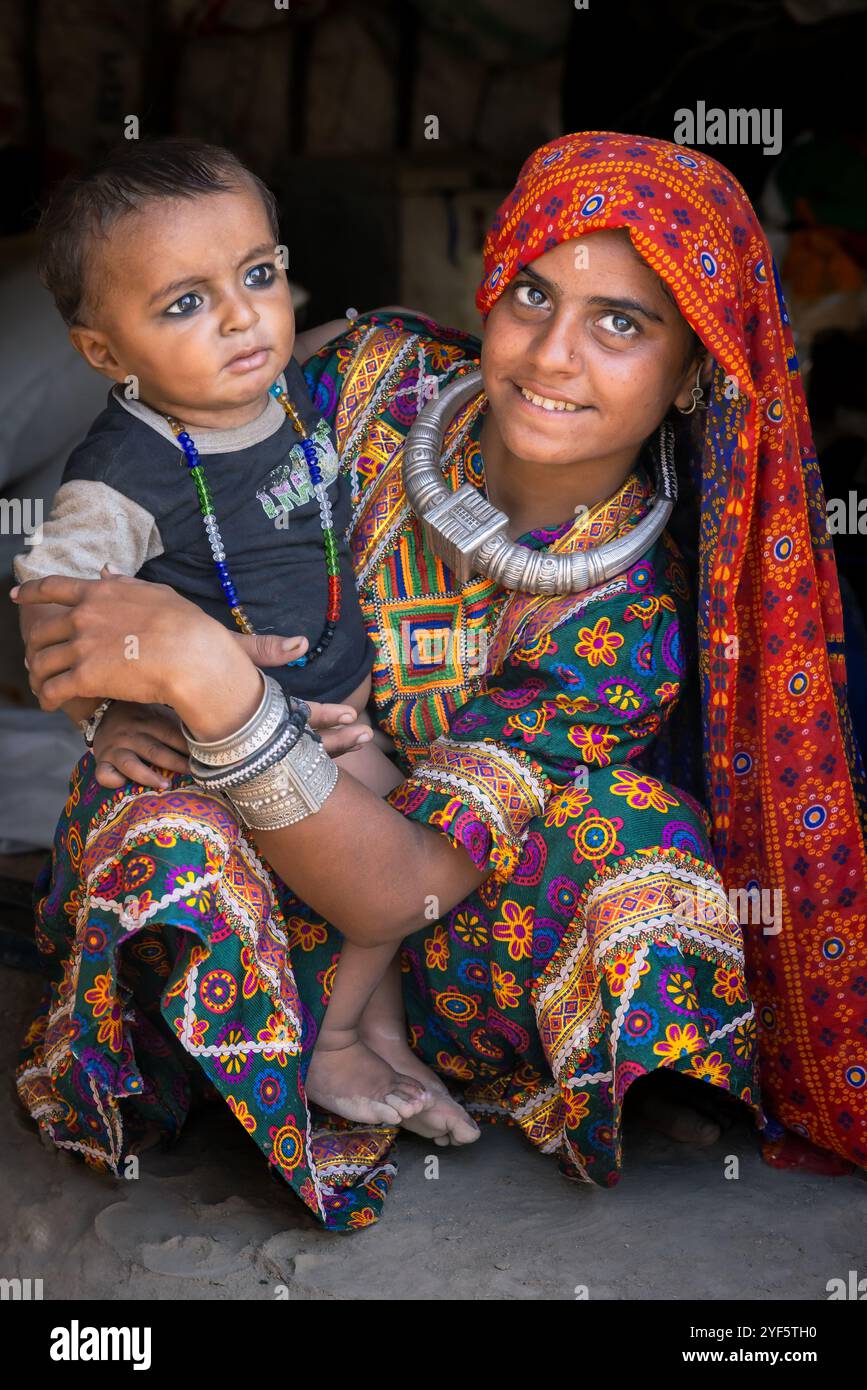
549	1093
691	932
382	545
348	454
589	1078
487	1107
115	1132
132	917
734	1023
625	1001
623	936
576	1163
472	792
328	1170
405	351
224	1048
492	748
575	1040
287	1049
556	981
271	975
475	793
550	1146
76	1145
82	1149
647	866
253	861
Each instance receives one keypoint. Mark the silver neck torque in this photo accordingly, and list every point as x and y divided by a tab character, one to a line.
471	535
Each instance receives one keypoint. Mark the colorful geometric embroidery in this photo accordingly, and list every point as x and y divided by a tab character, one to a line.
505	787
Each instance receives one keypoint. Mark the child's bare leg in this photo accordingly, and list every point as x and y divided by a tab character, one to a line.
363	1067
345	1075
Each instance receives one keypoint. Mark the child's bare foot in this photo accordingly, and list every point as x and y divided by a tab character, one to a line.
349	1079
442	1119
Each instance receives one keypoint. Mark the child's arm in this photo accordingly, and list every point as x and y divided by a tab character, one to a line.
139	743
90	525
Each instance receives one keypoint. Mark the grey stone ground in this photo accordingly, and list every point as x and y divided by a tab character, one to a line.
205	1221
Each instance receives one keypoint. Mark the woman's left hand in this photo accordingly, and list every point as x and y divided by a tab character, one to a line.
340	731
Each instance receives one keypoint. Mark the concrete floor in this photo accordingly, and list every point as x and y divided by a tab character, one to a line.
205	1220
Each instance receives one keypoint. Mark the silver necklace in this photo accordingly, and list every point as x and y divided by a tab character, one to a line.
470	534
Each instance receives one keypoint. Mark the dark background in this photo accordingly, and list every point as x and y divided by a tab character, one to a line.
327	101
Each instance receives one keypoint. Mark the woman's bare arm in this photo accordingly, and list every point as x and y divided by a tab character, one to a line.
371	872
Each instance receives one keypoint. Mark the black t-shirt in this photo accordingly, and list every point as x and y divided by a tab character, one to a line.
268	516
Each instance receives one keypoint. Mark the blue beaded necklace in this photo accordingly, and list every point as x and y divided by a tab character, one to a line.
215	539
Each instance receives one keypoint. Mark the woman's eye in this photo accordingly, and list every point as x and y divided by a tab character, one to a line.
184	305
259	275
619	320
524	295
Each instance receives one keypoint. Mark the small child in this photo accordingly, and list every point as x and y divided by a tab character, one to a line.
164	264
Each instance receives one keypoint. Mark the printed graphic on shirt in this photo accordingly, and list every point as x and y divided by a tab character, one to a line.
289	486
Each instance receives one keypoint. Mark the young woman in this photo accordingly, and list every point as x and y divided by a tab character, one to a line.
563	897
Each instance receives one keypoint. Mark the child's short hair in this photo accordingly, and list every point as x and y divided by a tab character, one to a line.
133	174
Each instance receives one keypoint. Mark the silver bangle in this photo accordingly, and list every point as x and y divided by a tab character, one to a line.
253	736
89	726
295	787
217	779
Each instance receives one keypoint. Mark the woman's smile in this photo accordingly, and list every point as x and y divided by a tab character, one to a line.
551	403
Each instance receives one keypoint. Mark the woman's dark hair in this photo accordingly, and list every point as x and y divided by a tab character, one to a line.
136	172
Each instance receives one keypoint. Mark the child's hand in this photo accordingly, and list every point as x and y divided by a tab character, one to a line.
134	743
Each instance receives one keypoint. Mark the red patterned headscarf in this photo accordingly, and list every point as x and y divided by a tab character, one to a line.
784	780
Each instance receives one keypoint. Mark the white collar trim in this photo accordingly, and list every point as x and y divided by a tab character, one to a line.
210	441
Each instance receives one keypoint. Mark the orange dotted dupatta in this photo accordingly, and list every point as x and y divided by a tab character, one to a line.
784	779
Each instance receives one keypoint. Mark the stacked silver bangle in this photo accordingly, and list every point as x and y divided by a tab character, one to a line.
274	769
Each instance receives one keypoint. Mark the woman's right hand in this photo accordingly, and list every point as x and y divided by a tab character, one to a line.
134	641
127	639
137	743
